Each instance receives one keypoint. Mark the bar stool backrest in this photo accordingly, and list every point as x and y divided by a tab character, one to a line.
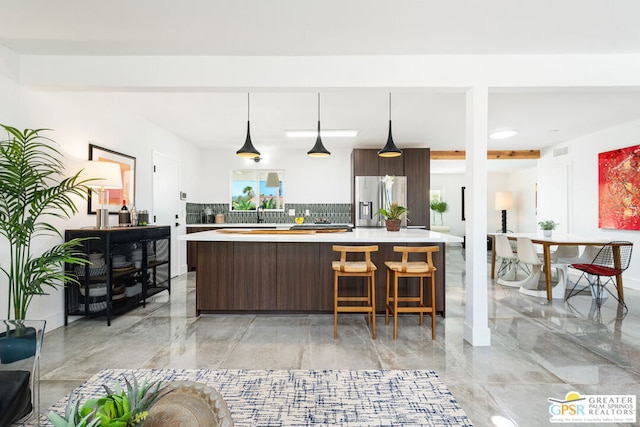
344	250
406	250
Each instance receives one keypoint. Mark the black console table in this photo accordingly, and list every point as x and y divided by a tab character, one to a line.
129	265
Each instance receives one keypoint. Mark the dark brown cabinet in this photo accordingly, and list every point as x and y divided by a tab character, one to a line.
390	165
286	277
414	164
192	247
417	171
366	162
128	265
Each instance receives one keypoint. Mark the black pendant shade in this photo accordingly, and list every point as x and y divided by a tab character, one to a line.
390	149
318	149
248	150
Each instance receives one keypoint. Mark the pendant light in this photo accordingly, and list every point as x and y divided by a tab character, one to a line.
390	149
318	149
248	150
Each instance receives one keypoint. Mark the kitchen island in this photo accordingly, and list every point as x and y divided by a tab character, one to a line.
239	271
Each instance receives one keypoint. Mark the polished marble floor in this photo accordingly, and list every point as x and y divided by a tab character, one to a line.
539	349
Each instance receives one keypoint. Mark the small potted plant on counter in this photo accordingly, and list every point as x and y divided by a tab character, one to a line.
547	227
393	216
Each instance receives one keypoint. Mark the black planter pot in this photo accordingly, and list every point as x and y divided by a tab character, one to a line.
18	345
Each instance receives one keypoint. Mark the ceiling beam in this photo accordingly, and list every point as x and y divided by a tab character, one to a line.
491	154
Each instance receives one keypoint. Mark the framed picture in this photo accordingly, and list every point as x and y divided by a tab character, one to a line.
128	171
618	185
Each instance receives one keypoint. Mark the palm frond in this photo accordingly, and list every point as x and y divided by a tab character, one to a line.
33	188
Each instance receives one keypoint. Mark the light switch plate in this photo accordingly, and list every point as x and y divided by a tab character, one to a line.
292	212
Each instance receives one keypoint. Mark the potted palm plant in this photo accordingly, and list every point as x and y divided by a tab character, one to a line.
393	216
33	187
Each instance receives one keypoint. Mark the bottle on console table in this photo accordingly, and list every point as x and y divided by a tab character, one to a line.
133	214
124	219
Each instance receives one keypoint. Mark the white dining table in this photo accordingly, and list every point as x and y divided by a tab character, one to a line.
558	239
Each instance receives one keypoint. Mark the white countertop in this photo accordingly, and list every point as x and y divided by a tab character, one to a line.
358	235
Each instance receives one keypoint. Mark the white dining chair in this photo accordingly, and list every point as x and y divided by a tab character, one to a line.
532	286
526	255
508	270
564	252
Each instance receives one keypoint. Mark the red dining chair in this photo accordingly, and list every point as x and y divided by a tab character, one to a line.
610	261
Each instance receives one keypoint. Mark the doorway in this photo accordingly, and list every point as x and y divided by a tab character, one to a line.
166	202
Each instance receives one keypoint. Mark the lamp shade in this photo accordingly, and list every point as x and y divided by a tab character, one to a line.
248	150
318	150
390	149
504	200
105	175
273	181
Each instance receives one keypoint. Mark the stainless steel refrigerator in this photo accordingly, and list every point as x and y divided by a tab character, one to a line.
372	193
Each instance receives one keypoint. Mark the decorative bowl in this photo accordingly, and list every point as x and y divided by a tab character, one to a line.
188	404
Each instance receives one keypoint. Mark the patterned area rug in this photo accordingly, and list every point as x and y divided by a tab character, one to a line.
312	398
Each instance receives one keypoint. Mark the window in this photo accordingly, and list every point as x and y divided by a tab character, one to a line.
251	189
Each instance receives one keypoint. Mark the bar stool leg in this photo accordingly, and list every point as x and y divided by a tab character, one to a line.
395	305
368	280
335	305
387	301
433	307
372	304
421	302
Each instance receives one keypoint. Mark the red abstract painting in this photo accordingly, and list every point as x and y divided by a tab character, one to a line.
619	189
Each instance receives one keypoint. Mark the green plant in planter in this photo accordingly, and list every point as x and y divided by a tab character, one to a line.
394	212
33	186
439	206
548	225
117	408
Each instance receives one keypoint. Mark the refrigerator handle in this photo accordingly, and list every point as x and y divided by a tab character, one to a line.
366	210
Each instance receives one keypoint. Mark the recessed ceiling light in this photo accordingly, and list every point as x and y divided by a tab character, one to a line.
307	133
502	134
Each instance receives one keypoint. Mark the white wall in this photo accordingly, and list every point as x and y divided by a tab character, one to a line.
521	183
306	179
451	187
583	187
78	119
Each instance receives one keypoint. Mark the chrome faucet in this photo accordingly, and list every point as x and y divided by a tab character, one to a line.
259	214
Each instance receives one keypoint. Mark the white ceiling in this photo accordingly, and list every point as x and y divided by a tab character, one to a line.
344	27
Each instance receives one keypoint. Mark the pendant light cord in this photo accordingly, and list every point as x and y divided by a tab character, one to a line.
248	106
389	106
318	106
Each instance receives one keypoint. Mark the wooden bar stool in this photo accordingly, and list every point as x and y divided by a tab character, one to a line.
365	268
406	268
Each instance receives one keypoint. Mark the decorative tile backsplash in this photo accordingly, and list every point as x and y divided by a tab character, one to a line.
336	213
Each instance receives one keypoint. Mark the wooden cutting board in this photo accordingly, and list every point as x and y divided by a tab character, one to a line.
272	231
266	231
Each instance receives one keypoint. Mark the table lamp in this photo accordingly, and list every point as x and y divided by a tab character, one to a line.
105	176
504	202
